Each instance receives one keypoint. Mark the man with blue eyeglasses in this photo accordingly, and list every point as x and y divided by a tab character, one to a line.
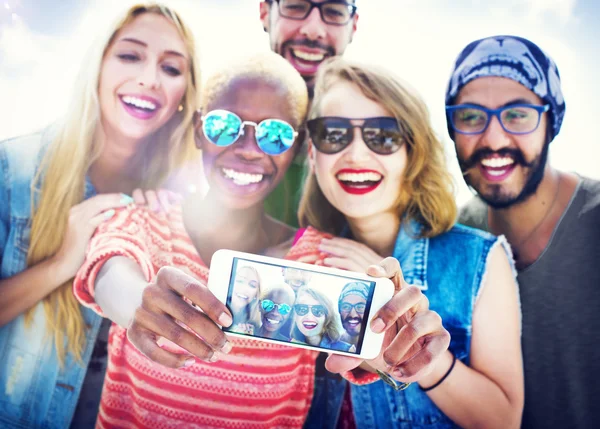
504	106
352	303
305	33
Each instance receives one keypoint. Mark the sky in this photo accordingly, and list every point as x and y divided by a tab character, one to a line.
42	43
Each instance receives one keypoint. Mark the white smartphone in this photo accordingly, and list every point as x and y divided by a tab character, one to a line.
301	305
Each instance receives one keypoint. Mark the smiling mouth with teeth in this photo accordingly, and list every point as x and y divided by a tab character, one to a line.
138	103
308	56
242	179
497	166
241	296
359	179
309	325
273	321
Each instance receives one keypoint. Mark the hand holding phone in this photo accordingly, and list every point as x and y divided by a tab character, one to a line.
162	308
300	305
414	335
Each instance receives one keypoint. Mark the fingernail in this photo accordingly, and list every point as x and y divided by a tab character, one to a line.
397	373
109	213
189	363
380	269
378	325
126	199
213	358
225	319
227	347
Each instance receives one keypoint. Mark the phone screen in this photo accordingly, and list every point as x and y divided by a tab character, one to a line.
294	305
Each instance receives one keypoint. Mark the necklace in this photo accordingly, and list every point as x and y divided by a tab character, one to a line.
537	226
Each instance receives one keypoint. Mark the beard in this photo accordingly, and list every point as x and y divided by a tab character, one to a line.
496	198
351	331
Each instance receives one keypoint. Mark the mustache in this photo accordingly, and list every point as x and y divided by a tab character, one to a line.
313	44
347	319
479	154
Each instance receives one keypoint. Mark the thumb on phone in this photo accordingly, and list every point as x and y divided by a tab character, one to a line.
339	364
389	268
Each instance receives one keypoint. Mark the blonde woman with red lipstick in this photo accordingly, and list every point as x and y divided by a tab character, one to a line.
316	322
378	180
128	126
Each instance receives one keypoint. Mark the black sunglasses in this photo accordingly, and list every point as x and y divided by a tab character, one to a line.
331	134
302	309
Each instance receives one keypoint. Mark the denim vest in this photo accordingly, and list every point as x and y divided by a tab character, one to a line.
35	392
449	269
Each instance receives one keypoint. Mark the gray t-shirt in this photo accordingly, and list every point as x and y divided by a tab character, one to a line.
560	298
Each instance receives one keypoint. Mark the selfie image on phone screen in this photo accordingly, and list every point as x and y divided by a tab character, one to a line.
295	305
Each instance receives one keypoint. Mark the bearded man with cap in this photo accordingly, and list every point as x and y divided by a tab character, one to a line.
504	107
351	305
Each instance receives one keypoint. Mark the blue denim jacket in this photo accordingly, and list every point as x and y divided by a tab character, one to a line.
449	269
34	391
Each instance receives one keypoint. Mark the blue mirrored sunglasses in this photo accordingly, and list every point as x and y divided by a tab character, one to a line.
269	305
224	128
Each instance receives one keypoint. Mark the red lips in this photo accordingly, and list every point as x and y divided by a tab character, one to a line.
358	188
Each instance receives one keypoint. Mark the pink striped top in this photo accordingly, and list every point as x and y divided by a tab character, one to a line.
258	385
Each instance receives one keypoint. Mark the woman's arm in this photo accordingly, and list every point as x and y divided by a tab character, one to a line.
151	310
118	280
119	287
489	393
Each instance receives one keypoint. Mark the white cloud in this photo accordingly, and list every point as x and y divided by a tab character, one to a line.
30	78
563	9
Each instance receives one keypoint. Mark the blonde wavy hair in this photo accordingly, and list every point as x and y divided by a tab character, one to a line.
427	192
267	67
333	324
252	312
59	182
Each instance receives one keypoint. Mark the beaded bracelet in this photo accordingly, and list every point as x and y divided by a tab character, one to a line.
427	389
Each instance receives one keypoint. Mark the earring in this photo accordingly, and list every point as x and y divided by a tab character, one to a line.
180	108
265	29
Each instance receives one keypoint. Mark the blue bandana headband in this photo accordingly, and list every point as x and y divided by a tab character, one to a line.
355	288
514	58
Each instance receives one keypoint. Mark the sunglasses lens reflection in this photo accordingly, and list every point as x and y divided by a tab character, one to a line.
330	135
382	135
318	310
274	137
221	128
267	305
301	309
284	309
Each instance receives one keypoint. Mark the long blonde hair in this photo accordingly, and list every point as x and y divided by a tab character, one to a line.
427	188
252	313
59	182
